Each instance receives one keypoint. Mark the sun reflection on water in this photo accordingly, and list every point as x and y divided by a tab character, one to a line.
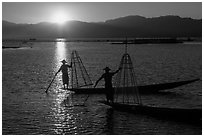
63	115
61	50
62	109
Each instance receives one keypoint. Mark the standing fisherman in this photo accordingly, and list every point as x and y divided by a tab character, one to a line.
64	69
108	83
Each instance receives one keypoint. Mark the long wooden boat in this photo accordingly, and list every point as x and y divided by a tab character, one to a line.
185	115
146	89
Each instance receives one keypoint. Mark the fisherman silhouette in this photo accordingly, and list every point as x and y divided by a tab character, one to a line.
108	83
64	69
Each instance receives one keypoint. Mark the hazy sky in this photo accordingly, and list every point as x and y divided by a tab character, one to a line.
34	12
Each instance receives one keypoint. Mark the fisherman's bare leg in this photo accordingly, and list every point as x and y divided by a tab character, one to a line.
67	83
67	86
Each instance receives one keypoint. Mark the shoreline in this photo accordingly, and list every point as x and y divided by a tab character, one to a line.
111	40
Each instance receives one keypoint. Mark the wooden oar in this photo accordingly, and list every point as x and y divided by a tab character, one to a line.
50	83
86	99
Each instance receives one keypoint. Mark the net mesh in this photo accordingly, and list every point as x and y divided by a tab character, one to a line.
79	74
126	90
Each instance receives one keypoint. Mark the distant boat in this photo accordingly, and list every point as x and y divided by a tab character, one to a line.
32	39
4	47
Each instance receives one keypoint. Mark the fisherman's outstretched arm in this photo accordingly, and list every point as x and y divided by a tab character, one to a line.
117	71
69	66
98	81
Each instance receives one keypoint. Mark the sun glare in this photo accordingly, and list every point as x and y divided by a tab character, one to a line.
60	17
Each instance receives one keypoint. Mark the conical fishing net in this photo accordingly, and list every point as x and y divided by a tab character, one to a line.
80	77
126	90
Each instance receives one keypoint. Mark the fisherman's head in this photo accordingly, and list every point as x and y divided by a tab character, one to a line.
107	69
63	61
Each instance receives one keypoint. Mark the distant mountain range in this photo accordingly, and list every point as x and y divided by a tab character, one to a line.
129	26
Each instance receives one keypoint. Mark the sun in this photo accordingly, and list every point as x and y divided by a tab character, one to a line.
60	17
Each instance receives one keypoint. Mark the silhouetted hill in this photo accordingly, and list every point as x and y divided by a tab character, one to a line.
164	26
130	26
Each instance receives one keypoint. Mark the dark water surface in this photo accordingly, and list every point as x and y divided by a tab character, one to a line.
26	73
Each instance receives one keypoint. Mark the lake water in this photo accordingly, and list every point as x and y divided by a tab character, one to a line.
26	73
